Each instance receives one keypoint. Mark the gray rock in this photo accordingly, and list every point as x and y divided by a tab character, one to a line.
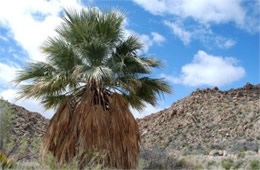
218	153
252	146
219	145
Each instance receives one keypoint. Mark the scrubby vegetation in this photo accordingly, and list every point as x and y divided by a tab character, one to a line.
255	165
6	115
227	163
6	145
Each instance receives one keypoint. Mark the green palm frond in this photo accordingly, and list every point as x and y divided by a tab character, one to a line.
125	59
53	101
35	71
147	92
91	49
60	54
129	46
128	83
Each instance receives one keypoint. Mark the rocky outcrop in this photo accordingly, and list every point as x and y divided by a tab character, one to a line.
28	124
25	133
206	120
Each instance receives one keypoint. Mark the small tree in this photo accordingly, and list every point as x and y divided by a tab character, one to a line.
6	116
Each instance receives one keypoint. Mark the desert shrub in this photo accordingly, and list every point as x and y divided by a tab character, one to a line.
241	154
141	164
5	162
227	163
255	165
182	163
186	164
52	164
237	164
198	167
6	116
212	163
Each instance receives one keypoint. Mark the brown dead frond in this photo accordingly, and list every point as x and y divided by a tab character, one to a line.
99	126
124	134
55	136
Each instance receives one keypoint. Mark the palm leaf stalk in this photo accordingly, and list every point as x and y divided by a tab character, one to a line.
92	74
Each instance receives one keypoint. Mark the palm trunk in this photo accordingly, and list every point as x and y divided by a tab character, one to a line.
95	127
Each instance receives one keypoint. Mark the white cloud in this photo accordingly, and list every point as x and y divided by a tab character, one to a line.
203	11
154	6
157	38
29	31
146	41
192	18
30	104
252	23
3	38
181	33
9	92
7	74
200	33
224	43
29	22
32	21
149	40
206	69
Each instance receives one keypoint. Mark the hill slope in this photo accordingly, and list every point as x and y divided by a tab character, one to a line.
203	122
22	141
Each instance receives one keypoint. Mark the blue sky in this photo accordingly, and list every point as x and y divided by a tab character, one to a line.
202	43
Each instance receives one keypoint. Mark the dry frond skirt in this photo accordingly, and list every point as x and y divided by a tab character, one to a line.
91	128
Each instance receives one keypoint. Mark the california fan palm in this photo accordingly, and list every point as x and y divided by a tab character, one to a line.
92	75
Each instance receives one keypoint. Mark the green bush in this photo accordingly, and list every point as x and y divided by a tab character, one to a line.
227	163
255	165
182	163
238	164
6	116
185	164
198	167
5	162
241	154
212	163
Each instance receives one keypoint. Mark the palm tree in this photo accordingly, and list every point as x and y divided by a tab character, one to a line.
91	76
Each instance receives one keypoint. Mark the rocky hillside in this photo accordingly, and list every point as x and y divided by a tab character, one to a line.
27	124
207	121
23	139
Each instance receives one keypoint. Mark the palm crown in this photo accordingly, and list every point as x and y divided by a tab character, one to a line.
91	51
